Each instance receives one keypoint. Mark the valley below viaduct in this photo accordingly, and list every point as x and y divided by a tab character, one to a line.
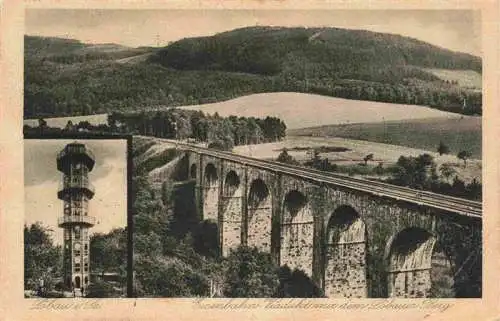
354	238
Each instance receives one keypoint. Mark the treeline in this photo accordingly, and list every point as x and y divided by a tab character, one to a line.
219	132
224	132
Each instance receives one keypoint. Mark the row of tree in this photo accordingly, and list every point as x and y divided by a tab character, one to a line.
220	132
182	124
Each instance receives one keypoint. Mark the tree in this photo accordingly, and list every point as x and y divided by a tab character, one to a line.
169	277
415	172
108	251
442	149
250	273
296	284
42	123
151	216
447	171
42	259
69	126
464	155
475	189
286	158
368	158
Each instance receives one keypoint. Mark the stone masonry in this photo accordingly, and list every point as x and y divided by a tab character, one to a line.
366	252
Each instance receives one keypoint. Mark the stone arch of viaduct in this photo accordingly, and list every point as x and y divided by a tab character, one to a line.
350	243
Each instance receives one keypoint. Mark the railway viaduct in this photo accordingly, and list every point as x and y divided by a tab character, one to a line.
354	238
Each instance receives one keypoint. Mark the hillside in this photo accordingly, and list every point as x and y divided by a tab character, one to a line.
297	110
270	50
68	51
305	110
65	77
458	134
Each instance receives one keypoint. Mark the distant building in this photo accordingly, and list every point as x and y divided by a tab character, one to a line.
75	161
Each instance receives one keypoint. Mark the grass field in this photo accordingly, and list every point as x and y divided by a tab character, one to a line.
465	78
457	133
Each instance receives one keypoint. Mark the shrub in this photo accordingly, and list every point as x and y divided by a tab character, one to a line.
100	289
296	284
250	274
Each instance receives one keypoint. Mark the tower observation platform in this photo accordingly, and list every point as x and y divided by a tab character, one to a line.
75	161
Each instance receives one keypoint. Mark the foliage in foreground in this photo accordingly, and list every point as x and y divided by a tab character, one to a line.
182	259
250	274
42	259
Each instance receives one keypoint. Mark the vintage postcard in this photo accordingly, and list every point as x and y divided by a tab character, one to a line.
257	160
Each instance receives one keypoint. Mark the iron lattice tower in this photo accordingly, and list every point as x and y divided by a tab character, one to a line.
75	161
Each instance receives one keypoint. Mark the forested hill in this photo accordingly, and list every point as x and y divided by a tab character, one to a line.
66	77
332	52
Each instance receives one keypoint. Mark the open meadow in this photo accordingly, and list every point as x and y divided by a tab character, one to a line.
462	133
465	78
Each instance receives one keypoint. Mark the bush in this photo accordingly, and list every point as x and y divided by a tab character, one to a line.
250	274
286	158
296	284
100	289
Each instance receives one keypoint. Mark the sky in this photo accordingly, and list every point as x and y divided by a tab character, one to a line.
42	179
458	30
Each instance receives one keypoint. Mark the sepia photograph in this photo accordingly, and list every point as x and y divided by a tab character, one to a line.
75	230
276	153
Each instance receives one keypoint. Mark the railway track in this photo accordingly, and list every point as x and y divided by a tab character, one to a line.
425	198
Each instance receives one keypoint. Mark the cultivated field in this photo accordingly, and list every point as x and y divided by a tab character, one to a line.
463	133
305	110
383	153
